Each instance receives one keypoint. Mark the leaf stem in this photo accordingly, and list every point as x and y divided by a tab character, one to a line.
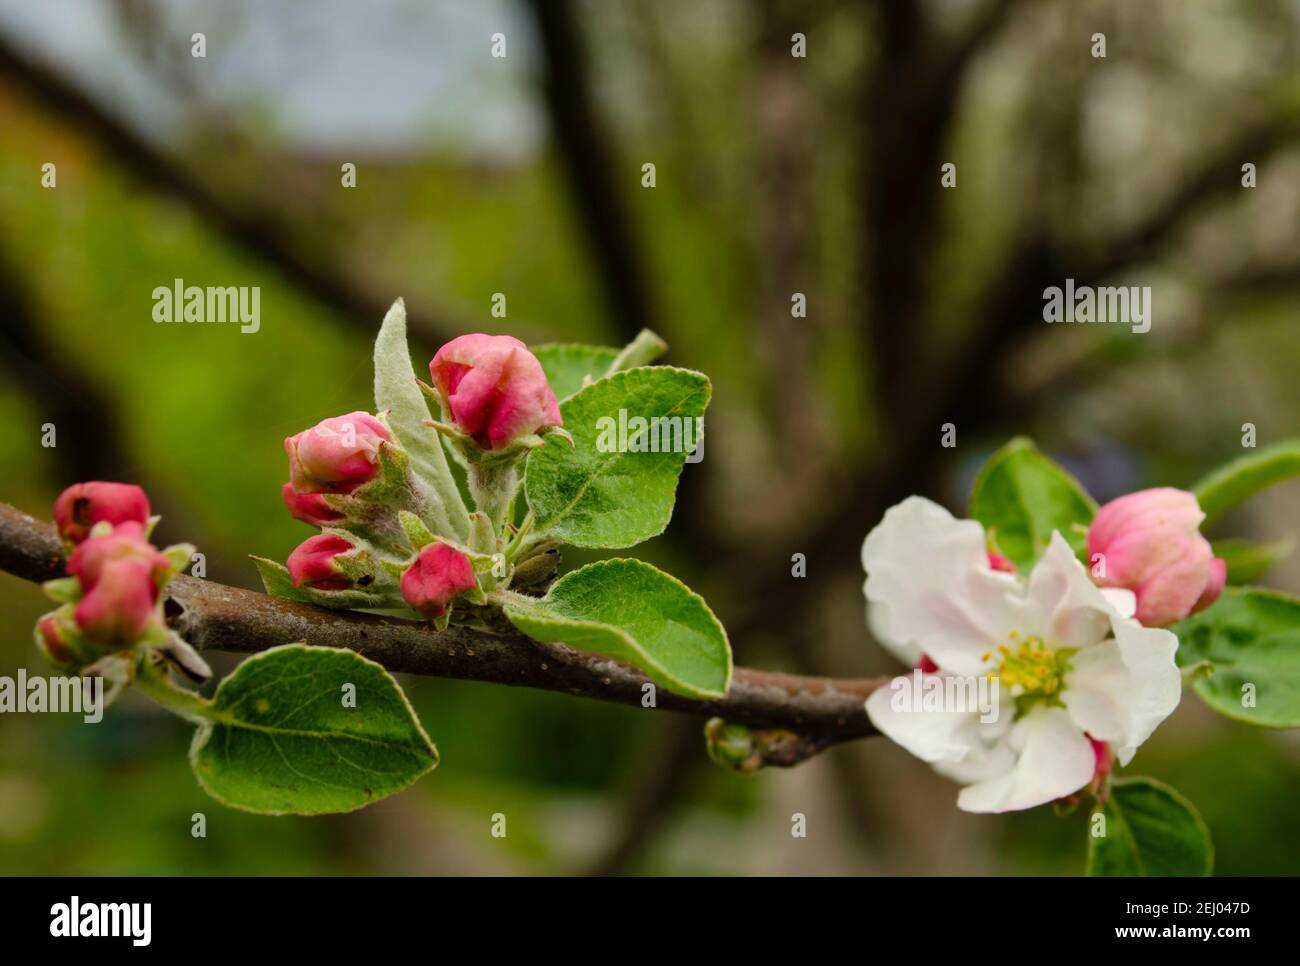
152	679
512	548
493	484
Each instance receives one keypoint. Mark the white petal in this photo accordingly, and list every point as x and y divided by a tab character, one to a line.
990	754
1120	690
1053	759
941	595
1122	599
1069	609
932	736
908	652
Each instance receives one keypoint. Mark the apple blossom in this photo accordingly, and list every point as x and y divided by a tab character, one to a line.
54	640
1150	544
493	388
126	543
1078	669
308	507
312	562
439	575
337	454
120	606
82	505
120	574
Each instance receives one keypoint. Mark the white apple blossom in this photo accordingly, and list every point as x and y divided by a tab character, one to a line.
1069	661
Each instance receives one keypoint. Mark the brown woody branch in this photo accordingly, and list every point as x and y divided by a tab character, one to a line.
818	712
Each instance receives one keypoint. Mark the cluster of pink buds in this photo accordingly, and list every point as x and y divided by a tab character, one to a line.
1149	542
112	596
350	477
347	475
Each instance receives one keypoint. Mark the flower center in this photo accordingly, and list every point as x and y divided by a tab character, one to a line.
1029	668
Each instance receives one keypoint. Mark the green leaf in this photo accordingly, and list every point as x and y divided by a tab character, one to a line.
276	580
1247	561
1232	483
569	366
280	740
278	583
1021	496
417	534
598	492
1151	830
641	351
1251	639
398	393
632	612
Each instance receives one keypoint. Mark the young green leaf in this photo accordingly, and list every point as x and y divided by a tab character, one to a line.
570	366
1021	496
301	730
616	484
398	393
1150	830
276	579
641	351
1251	639
1233	482
632	612
278	583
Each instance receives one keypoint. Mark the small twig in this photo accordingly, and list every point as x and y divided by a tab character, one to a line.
211	616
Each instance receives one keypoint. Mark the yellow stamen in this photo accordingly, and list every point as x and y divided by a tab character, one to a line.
1032	669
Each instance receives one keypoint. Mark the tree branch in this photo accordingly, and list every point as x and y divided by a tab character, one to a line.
819	711
590	170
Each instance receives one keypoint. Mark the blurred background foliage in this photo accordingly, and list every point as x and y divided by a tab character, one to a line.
522	175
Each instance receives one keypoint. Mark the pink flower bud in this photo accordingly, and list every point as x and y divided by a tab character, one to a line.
438	576
1103	759
999	562
82	505
51	638
126	543
1151	545
312	563
119	607
309	507
1214	586
494	388
120	573
337	454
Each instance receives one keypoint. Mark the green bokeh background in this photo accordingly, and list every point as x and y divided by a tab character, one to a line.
445	223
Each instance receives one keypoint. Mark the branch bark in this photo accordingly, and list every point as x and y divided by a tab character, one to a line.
820	711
